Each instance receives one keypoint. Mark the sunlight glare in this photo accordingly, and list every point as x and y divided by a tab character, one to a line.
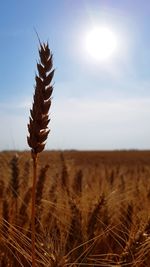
101	43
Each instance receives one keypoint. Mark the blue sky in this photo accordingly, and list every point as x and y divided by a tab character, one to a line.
95	105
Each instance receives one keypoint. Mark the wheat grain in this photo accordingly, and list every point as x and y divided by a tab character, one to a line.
38	131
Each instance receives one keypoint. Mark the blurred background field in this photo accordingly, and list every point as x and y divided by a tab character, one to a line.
92	208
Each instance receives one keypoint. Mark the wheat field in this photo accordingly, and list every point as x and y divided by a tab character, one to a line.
92	208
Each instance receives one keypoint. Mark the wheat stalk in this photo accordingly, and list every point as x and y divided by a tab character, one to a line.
39	119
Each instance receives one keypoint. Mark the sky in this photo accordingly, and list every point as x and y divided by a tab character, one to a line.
96	105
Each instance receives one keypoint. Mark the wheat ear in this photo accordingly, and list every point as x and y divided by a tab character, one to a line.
39	119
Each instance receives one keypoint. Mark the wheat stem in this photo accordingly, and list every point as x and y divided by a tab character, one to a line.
34	157
38	122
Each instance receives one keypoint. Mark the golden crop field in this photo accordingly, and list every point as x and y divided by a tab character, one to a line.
92	208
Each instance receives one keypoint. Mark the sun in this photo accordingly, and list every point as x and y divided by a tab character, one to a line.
101	43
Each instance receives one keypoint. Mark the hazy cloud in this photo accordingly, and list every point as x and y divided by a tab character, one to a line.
84	124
